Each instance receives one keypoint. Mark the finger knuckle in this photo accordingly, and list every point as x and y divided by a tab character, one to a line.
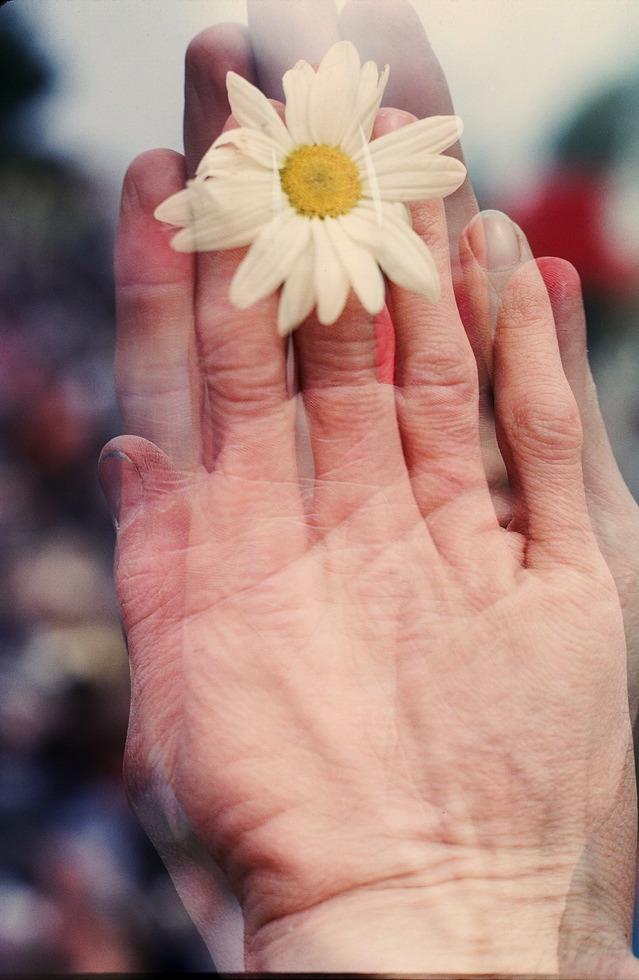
247	380
428	220
548	420
446	365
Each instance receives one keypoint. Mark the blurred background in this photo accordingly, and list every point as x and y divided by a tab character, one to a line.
550	96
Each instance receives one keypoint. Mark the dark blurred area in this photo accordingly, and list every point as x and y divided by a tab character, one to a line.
81	888
585	208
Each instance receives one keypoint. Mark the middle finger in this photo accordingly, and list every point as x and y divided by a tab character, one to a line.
390	31
436	376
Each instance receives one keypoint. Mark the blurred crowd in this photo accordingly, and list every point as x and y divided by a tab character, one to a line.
81	888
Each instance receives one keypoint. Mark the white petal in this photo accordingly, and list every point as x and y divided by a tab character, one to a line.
298	294
244	184
234	191
254	144
369	98
361	267
403	212
215	227
224	161
368	110
297	84
216	215
367	88
252	109
332	284
435	176
398	208
333	96
270	259
189	204
402	254
431	135
177	209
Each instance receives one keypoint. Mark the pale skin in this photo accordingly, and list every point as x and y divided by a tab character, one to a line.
391	715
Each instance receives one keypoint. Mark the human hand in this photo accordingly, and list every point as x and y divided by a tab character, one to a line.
188	547
390	31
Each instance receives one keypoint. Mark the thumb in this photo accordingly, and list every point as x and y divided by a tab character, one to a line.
131	470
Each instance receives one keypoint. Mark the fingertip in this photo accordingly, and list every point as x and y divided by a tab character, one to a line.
563	284
496	243
389	119
142	453
150	178
121	483
215	51
130	468
392	31
562	280
151	463
282	32
210	56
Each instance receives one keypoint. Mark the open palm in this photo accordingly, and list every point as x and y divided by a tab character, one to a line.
314	649
313	653
310	686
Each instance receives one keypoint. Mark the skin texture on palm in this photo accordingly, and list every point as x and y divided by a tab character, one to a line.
318	650
313	684
216	403
390	31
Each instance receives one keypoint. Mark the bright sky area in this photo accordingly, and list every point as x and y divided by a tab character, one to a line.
515	67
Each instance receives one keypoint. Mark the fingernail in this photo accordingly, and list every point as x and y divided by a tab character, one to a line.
497	243
121	485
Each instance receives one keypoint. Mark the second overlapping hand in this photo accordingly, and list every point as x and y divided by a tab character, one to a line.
312	658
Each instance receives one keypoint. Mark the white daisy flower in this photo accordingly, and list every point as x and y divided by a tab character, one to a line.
320	205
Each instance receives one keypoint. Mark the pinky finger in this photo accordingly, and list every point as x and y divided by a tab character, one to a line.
537	418
603	479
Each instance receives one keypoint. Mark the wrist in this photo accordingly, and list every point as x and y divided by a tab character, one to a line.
464	926
552	919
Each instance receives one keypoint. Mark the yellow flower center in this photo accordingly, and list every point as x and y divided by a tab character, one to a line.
321	181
